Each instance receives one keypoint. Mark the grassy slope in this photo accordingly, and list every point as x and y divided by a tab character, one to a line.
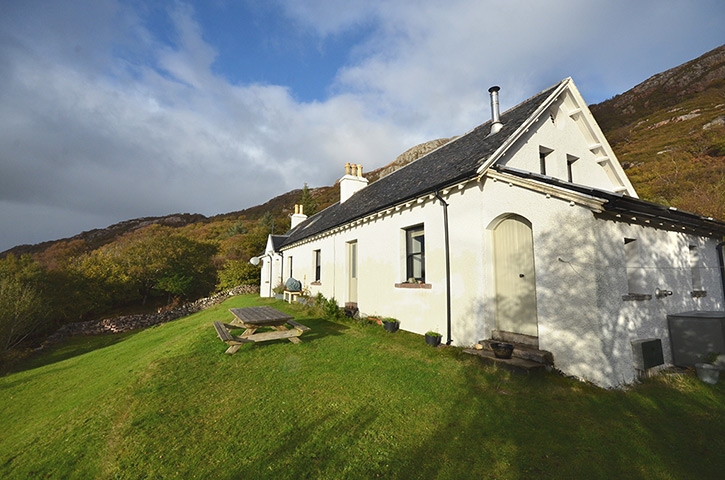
672	159
351	401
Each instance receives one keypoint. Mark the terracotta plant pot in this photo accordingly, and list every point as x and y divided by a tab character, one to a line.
502	350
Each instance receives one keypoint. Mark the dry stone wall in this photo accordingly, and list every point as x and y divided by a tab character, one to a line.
132	322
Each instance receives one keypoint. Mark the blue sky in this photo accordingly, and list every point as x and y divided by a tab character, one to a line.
118	109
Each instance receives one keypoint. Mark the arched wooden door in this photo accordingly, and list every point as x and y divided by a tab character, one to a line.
514	277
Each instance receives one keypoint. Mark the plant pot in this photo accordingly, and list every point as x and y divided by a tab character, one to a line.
502	350
278	296
707	373
391	326
433	340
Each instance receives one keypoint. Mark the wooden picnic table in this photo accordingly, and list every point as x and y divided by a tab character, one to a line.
253	318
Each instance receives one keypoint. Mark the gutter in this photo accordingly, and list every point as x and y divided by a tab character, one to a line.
448	268
721	261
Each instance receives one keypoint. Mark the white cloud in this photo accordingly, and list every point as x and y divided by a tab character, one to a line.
103	120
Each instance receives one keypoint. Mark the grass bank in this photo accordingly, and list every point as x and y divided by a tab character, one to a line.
351	401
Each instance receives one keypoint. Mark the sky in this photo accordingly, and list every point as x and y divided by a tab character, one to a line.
118	109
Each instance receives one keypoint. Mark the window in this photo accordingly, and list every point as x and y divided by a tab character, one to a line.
290	267
695	268
316	255
543	153
570	159
415	254
635	273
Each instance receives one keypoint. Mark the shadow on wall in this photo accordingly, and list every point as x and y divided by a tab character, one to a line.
582	275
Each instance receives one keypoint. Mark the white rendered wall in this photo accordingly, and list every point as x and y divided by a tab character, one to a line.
665	265
270	279
565	136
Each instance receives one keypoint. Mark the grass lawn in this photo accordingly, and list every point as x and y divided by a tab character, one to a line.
351	401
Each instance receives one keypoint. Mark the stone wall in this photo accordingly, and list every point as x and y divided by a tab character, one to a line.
133	322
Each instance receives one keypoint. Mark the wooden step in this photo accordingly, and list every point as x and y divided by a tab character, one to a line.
513	364
525	352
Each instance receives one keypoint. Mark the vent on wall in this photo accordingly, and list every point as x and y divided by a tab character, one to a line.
647	354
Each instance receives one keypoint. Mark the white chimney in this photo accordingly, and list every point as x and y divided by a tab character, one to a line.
495	116
298	217
352	182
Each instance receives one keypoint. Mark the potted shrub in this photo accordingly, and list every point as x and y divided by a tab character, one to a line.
433	338
391	324
707	371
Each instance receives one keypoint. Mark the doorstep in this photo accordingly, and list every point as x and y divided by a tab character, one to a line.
524	351
514	364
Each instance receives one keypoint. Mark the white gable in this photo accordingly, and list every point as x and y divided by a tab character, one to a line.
564	132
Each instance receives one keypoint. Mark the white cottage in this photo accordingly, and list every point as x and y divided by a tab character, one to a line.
526	228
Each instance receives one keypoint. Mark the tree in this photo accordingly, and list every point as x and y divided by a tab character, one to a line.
237	272
267	222
160	261
308	203
22	306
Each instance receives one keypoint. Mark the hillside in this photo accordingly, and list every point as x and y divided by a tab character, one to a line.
669	134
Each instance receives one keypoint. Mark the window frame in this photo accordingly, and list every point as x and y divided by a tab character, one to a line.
412	233
317	264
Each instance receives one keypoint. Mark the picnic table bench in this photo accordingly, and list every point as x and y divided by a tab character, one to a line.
253	318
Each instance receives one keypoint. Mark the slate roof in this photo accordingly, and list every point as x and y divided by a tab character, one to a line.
443	167
617	203
278	241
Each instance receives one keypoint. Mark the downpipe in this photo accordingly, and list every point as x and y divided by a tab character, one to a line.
448	268
721	261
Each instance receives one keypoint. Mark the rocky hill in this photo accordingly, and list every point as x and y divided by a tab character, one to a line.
669	134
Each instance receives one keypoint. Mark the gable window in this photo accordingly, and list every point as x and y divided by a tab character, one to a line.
317	259
570	159
415	254
543	153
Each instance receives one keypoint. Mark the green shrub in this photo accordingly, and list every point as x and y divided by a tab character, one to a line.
237	272
331	311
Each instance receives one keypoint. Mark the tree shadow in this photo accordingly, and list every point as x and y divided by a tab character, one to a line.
508	425
585	315
68	348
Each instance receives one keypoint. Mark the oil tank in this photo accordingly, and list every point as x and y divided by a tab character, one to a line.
695	334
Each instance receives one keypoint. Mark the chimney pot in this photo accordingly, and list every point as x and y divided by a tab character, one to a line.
352	182
302	207
297	209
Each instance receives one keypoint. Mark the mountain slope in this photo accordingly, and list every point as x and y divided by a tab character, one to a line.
669	134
